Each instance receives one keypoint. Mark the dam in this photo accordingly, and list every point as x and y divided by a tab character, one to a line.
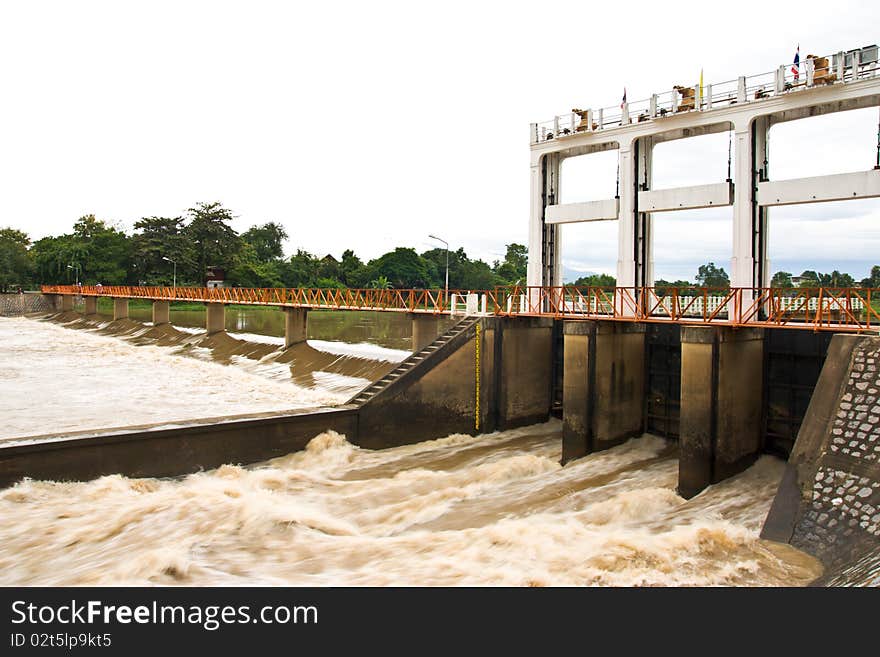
643	424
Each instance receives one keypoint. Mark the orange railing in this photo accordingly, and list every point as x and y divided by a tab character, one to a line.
834	309
432	301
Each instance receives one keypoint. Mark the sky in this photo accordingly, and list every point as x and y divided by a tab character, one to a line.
372	125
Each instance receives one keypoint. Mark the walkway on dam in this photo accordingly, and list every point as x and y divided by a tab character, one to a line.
817	309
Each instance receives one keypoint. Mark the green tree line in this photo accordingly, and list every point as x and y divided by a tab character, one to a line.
160	247
709	275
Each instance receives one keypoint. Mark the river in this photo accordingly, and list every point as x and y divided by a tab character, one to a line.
495	509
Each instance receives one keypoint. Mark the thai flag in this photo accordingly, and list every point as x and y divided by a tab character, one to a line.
623	102
796	67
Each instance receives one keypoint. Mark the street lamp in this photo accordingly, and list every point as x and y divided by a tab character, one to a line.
434	237
75	268
174	284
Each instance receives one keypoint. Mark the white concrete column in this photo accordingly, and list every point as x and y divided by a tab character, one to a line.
536	214
747	267
626	222
544	256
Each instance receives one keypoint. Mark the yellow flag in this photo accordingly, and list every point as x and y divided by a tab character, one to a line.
701	85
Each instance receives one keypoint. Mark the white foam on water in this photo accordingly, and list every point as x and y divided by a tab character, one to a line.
360	349
258	338
486	510
56	380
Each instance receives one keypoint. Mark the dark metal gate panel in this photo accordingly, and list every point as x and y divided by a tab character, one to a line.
793	361
663	398
558	369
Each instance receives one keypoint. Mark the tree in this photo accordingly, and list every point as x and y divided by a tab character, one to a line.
873	280
839	279
267	240
15	264
709	275
155	239
249	271
809	278
380	283
661	283
515	265
301	270
478	275
403	268
212	240
353	272
596	280
435	264
781	279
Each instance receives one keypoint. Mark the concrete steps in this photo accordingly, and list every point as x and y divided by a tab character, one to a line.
371	391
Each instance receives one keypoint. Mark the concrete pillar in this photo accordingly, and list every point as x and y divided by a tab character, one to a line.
522	371
425	329
722	371
91	306
54	300
120	309
626	222
66	303
748	266
215	318
296	326
603	386
544	254
161	313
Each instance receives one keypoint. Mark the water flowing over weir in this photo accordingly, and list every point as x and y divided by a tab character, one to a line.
127	373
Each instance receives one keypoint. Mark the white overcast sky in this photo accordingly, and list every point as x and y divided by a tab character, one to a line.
368	125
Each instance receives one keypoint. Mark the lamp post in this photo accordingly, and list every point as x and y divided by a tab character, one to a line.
434	237
75	268
173	262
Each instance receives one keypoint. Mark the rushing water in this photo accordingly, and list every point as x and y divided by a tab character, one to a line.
492	509
125	373
495	509
390	330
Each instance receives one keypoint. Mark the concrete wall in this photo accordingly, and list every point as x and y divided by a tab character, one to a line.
603	385
524	386
171	452
91	306
440	397
828	503
721	404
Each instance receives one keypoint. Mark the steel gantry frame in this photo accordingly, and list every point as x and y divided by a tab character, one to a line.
748	107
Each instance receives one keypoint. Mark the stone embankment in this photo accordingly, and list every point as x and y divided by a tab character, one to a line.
13	305
828	503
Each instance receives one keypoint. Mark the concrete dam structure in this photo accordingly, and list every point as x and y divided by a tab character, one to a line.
725	375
